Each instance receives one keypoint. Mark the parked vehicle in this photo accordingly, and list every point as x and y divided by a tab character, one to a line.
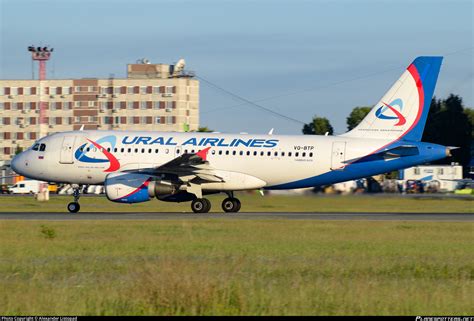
26	187
4	189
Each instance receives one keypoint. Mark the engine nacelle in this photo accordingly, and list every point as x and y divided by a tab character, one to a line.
161	189
136	188
127	187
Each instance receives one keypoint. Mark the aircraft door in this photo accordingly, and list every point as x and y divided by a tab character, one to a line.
66	154
338	156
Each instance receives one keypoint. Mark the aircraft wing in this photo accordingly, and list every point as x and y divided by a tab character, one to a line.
188	167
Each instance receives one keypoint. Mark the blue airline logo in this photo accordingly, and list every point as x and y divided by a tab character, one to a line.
204	142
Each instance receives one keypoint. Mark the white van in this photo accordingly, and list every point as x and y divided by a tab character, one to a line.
26	187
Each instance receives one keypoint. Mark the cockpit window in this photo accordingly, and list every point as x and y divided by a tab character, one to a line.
36	146
42	148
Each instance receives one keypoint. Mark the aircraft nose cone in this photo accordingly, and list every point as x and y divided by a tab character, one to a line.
16	163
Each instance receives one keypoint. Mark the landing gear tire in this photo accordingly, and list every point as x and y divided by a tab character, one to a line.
231	205
73	207
201	205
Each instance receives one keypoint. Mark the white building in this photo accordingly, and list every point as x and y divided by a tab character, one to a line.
445	176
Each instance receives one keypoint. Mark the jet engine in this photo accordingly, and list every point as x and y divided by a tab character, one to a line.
136	188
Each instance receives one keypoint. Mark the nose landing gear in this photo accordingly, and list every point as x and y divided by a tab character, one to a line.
74	207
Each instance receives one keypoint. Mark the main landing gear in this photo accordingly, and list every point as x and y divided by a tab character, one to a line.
74	207
229	205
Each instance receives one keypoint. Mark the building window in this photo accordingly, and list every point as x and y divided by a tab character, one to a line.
143	120
52	90
129	89
142	90
26	106
440	171
14	106
169	89
116	105
90	103
1	120
158	120
52	106
417	171
26	91
67	105
156	105
77	104
169	106
77	89
2	105
13	91
143	105
2	91
52	120
156	89
169	119
66	90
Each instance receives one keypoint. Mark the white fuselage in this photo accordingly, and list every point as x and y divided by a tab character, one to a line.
272	159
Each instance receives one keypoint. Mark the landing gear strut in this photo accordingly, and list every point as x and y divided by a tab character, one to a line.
74	207
231	204
201	205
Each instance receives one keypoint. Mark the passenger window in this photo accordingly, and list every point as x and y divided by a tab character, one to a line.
269	154
310	154
122	150
241	153
220	152
213	152
227	152
136	150
304	155
115	149
88	149
261	153
42	147
22	185
35	147
149	151
248	153
289	154
276	154
234	152
156	151
178	151
296	154
185	151
143	150
282	153
192	151
255	153
129	150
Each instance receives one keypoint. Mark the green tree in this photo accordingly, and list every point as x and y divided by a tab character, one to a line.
204	130
356	116
18	150
448	124
318	126
470	115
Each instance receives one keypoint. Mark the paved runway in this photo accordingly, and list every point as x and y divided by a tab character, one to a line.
429	217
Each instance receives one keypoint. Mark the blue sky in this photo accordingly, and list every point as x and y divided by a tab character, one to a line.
334	54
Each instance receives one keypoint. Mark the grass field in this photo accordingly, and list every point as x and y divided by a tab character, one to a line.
235	267
255	203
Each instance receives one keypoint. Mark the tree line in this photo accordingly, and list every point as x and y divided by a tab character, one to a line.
449	123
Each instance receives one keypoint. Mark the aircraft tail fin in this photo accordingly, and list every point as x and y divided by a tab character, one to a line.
402	111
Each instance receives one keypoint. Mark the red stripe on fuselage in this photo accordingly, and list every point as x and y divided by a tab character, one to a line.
114	163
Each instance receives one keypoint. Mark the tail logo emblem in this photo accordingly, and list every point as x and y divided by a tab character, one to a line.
82	151
392	111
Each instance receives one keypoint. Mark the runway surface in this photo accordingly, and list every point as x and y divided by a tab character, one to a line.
427	217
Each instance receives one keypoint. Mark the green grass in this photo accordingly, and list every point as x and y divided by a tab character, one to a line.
236	267
254	203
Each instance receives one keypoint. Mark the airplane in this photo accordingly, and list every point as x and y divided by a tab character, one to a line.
136	166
